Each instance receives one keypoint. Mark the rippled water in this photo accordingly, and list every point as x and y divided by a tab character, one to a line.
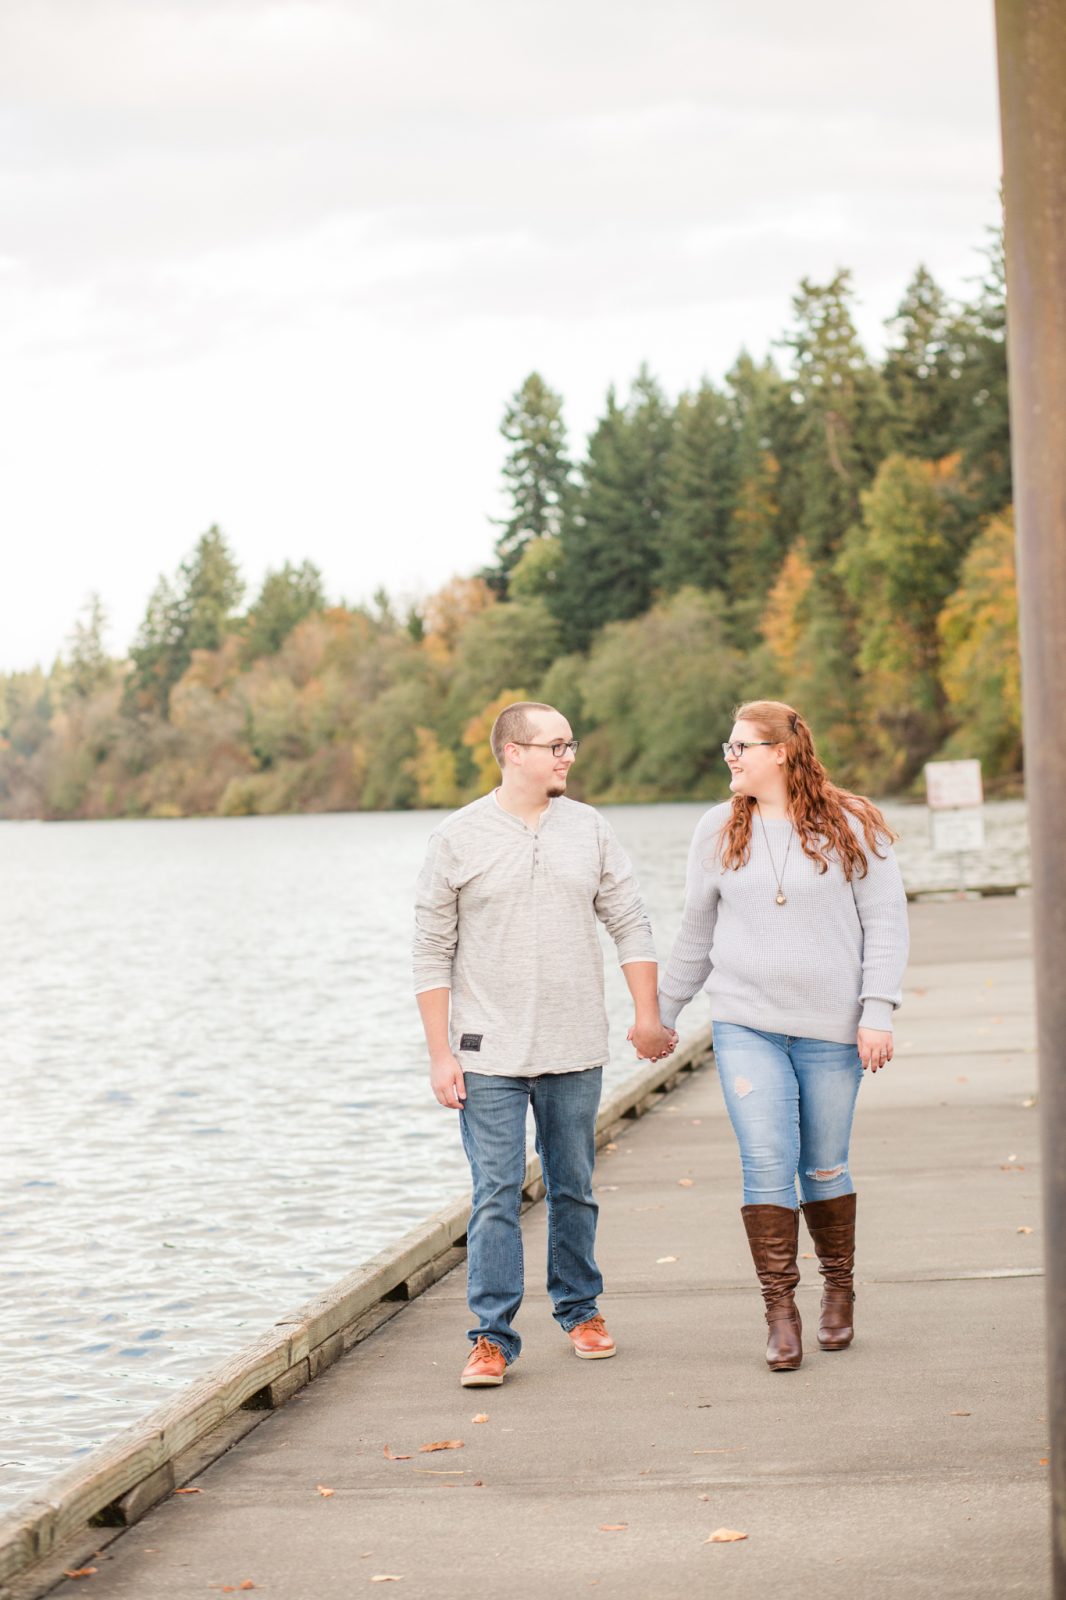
215	1095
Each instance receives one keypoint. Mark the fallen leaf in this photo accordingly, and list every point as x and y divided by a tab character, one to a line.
685	1183
611	1146
390	1455
188	1491
80	1572
479	1483
660	1261
1042	1462
1025	1230
324	1492
960	1413
725	1536
441	1444
806	1256
482	1416
1027	1105
613	1527
705	1497
387	1577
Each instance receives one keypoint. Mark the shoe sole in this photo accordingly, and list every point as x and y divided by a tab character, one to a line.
593	1355
481	1383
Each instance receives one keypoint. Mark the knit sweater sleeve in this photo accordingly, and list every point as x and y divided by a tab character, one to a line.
618	902
689	965
881	902
436	918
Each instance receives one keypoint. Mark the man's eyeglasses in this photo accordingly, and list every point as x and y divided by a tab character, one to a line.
738	747
559	748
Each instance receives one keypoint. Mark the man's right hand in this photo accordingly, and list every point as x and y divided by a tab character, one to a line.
447	1082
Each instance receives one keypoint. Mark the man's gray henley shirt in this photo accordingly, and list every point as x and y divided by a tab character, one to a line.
506	918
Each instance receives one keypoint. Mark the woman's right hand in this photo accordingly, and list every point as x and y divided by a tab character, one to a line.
875	1048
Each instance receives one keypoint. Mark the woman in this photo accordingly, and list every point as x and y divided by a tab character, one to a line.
796	922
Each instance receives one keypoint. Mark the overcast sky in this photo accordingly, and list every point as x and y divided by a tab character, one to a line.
278	264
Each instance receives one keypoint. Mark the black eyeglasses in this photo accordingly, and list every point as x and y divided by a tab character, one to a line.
559	748
737	748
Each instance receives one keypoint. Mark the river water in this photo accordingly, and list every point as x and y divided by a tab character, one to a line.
214	1086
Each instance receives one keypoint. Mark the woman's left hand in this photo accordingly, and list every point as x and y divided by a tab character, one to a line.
875	1048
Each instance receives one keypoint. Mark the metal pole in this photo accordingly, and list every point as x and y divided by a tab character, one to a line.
1032	87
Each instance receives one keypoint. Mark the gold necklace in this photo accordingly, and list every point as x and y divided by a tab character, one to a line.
780	896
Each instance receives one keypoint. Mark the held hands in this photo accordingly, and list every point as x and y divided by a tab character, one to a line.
652	1041
875	1048
447	1082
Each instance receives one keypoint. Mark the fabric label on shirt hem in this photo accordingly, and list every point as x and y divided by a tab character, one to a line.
471	1041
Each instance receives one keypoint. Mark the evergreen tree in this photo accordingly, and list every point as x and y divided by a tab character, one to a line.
286	597
759	533
983	417
536	471
610	545
839	437
695	538
88	667
921	370
190	613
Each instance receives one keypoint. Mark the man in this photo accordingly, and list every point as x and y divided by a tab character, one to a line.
506	940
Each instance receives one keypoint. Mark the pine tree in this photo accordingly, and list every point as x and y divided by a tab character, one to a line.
536	472
839	437
87	664
922	370
190	613
759	532
983	417
610	545
695	538
286	597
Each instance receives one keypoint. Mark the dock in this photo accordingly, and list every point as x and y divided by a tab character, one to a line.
914	1464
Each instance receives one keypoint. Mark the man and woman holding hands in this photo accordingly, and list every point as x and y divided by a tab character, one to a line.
794	922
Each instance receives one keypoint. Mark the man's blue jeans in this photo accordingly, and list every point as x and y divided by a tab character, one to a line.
493	1121
791	1102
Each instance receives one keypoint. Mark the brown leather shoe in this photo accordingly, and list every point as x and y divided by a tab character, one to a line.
831	1224
486	1366
591	1341
773	1236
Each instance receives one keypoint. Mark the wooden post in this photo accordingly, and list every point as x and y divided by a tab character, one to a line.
1031	36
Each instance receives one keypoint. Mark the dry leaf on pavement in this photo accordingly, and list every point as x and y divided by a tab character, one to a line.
725	1536
960	1413
387	1577
80	1572
613	1527
685	1183
323	1491
441	1444
1025	1230
660	1261
390	1455
188	1491
482	1416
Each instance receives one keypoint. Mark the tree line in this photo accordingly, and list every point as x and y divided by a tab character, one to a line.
820	527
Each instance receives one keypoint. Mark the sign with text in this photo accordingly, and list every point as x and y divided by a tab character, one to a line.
958	832
952	784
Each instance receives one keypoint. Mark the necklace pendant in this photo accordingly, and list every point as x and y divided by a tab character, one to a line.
780	898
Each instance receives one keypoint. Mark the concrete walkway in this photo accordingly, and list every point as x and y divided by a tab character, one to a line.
910	1465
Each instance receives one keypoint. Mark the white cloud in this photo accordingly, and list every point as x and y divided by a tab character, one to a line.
278	265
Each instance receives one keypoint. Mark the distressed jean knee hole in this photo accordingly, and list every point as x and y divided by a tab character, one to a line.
826	1174
741	1087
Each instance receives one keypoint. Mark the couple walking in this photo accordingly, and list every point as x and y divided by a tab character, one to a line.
795	923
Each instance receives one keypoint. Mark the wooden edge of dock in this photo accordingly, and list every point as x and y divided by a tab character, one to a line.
87	1506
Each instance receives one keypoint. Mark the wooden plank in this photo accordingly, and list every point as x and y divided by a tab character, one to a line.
128	1471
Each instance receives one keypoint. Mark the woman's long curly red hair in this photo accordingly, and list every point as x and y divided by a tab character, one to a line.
818	809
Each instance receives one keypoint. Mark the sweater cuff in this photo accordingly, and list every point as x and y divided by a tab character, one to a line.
877	1014
669	1009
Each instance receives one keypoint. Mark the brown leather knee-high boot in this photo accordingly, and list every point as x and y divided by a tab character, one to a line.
773	1235
831	1224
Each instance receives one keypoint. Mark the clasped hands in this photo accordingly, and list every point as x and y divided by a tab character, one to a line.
652	1040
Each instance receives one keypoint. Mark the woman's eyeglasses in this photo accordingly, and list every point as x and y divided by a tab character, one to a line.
737	748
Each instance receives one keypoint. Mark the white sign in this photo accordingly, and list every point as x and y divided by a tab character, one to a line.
958	832
952	783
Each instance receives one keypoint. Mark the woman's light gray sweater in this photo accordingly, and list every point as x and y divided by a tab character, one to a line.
830	960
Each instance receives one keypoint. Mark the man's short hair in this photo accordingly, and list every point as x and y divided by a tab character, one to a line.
513	726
